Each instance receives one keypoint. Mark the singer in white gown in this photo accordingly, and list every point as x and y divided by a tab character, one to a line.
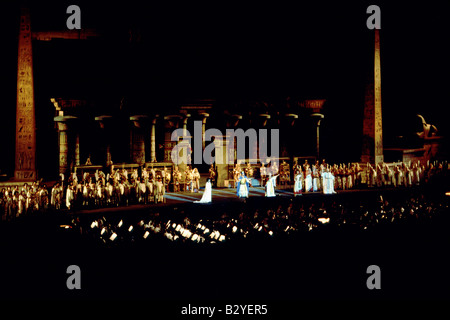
270	186
207	194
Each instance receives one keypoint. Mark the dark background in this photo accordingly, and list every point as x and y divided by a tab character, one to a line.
157	55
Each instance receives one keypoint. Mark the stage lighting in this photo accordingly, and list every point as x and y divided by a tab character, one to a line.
120	223
130	229
174	225
146	234
113	236
234	229
206	231
324	220
103	230
260	228
65	226
169	236
194	237
94	224
186	233
141	223
178	228
270	233
222	238
447	193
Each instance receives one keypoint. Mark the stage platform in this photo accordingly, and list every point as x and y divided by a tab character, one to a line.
219	196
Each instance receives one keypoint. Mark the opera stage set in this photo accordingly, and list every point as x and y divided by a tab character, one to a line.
89	174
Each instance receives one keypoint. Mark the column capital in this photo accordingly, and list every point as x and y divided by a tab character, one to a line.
139	120
102	120
63	122
318	117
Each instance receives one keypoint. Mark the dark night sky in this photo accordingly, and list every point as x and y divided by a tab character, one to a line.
230	52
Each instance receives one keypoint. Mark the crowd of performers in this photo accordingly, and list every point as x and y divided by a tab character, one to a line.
326	178
94	190
149	185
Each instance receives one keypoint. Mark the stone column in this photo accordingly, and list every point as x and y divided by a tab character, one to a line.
138	139
222	154
235	118
185	120
291	117
171	122
153	139
317	117
205	116
105	126
77	149
264	117
287	134
262	120
63	140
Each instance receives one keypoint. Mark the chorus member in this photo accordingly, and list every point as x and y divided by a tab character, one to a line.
298	184
308	178
242	186
315	178
270	186
195	180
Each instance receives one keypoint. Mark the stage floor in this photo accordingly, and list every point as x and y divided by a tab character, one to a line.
220	195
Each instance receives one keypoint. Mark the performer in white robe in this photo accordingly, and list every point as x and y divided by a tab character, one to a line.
308	179
270	186
207	194
328	187
298	185
315	178
69	196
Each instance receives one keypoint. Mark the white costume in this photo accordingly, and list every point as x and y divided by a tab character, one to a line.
328	187
308	181
298	184
69	197
207	194
270	186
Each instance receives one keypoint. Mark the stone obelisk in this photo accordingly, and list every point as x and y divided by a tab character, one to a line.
25	162
372	148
